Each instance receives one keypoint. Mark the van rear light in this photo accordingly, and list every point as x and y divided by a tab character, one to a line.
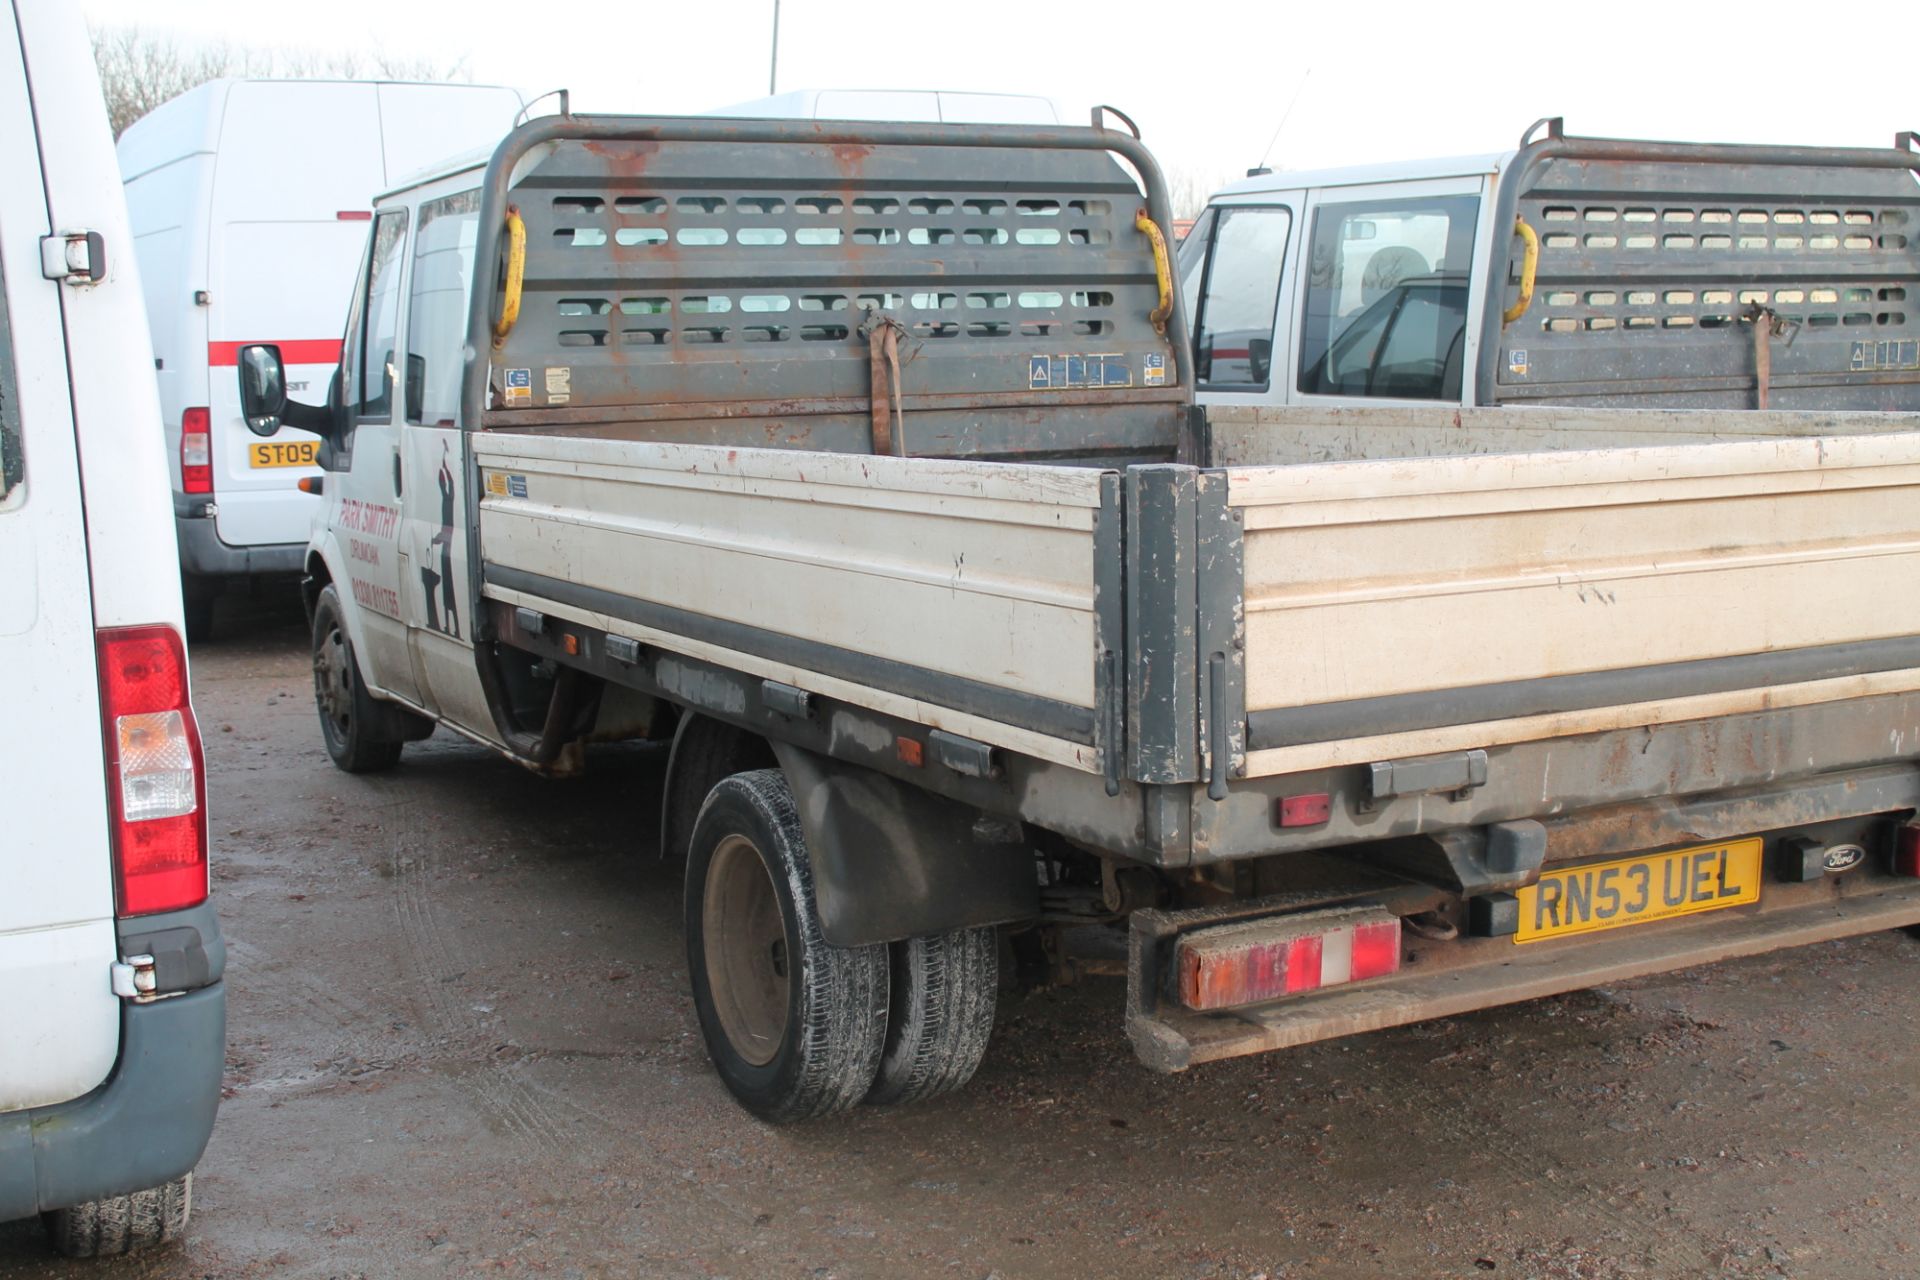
155	776
1229	965
196	452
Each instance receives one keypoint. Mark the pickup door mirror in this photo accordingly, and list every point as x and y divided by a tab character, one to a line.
263	388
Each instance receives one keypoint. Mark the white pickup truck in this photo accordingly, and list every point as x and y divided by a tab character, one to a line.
862	462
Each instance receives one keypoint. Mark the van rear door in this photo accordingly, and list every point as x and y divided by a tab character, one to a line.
293	190
59	1019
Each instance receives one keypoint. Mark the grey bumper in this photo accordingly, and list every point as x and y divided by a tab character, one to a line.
150	1121
202	552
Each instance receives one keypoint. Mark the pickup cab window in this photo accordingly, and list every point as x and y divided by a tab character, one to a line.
437	312
1385	310
1238	292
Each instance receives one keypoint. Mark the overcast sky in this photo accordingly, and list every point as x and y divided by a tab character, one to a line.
1375	80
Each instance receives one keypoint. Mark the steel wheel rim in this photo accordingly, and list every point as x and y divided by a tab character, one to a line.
331	687
748	956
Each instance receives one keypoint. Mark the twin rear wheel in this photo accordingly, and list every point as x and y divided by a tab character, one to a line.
796	1026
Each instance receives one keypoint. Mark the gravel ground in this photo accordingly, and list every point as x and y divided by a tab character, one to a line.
461	1044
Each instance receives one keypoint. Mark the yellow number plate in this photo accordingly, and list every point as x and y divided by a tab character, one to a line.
282	453
1606	895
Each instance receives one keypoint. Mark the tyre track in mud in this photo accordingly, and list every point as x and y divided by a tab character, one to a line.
543	1122
331	1012
437	966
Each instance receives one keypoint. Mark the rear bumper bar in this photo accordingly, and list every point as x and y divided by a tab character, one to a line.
145	1126
1169	1038
203	553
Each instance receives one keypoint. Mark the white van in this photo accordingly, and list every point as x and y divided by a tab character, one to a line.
921	106
250	201
112	1008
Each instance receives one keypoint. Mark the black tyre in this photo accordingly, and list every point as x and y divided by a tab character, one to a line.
197	595
940	1014
358	731
121	1224
794	1025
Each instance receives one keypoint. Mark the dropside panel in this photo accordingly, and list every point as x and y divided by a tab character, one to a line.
1396	610
959	594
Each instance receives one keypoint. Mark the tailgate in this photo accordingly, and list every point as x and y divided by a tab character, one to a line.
1408	607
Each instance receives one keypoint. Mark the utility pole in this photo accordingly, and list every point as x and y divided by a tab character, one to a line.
773	68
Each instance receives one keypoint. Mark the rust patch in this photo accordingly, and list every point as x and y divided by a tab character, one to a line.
852	156
628	159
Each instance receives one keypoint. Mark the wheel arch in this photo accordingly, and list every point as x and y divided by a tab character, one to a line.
323	571
893	861
704	751
890	861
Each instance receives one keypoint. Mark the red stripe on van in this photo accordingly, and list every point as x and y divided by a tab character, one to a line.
297	351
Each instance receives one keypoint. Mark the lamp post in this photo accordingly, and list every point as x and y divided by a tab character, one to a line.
773	66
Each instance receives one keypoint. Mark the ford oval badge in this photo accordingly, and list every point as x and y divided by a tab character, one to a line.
1843	857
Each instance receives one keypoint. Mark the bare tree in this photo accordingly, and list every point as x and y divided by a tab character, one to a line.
139	70
1188	189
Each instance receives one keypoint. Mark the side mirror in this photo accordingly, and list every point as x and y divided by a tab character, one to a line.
263	388
1259	358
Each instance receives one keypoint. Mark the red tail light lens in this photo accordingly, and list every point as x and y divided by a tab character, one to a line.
1256	960
155	780
196	452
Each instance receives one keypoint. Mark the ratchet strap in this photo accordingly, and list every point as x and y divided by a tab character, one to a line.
883	334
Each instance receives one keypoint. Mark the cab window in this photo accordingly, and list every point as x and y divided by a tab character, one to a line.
437	307
1237	295
1192	262
371	395
1385	306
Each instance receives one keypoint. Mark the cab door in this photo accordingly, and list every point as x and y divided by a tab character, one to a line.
1237	286
367	465
437	597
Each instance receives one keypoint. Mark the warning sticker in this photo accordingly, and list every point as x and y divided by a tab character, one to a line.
517	486
1154	371
1071	372
1867	357
496	484
559	385
519	388
1517	362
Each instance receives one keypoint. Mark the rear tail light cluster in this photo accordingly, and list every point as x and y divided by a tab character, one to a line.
196	452
1229	965
1906	851
155	778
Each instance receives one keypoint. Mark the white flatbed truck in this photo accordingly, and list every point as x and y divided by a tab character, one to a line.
862	462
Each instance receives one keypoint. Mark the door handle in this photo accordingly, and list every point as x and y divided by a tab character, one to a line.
396	471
